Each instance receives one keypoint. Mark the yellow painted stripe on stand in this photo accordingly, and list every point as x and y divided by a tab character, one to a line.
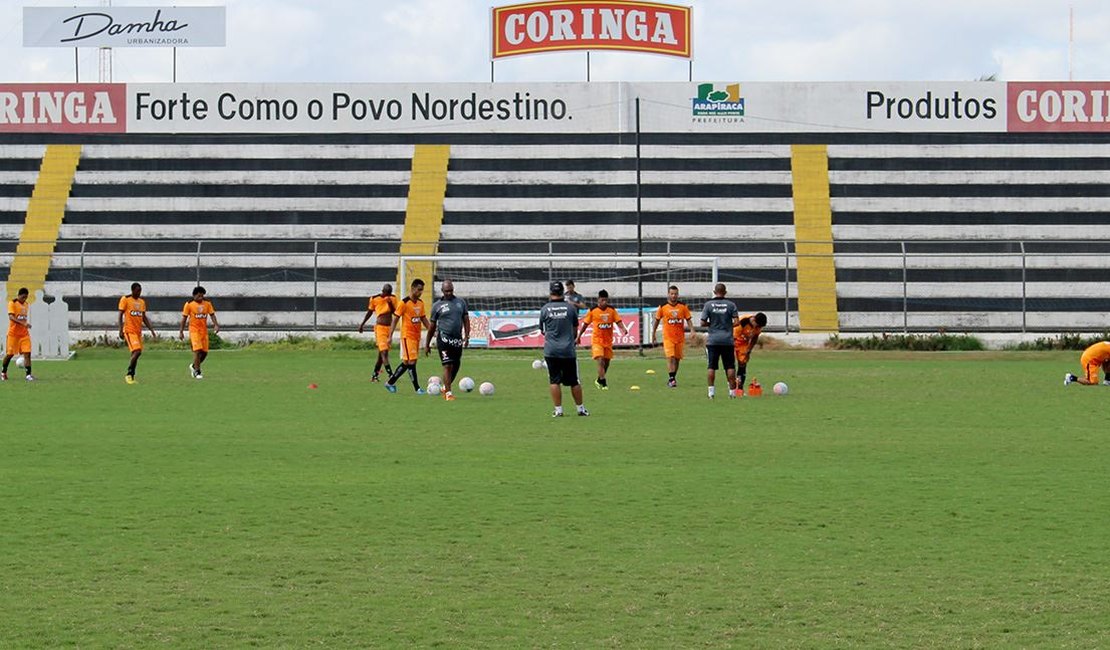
424	211
45	212
817	309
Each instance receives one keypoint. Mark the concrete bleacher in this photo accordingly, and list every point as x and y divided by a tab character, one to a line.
296	232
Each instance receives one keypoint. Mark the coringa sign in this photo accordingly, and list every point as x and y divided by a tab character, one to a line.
584	25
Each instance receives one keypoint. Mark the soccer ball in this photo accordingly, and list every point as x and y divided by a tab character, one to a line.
781	388
537	364
19	361
434	379
486	388
435	388
466	384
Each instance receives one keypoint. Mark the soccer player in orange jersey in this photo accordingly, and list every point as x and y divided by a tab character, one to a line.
602	317
19	334
745	335
132	317
1095	357
382	308
197	312
411	316
677	321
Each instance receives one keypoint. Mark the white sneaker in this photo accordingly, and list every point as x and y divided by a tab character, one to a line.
198	376
30	378
1106	383
192	371
1068	378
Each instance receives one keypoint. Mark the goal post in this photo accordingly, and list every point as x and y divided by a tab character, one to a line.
509	283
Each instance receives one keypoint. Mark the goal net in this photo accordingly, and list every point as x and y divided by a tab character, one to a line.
522	282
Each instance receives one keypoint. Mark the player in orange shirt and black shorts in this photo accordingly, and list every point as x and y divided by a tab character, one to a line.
382	307
602	317
197	312
132	317
745	336
19	334
677	320
411	316
1094	358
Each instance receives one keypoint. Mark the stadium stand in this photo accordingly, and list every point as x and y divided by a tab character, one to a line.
930	231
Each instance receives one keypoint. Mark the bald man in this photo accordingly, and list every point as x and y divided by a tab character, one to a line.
450	325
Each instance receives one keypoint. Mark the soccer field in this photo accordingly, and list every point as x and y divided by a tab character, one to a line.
895	500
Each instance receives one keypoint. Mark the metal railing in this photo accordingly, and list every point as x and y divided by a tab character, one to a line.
883	273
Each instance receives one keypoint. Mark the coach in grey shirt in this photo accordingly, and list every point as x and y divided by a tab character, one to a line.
720	316
559	325
450	324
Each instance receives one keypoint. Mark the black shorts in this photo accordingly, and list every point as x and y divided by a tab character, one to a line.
562	370
722	353
449	355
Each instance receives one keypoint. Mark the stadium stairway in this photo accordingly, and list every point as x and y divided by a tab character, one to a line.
45	210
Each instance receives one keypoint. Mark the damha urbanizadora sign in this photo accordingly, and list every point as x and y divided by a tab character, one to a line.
584	25
124	26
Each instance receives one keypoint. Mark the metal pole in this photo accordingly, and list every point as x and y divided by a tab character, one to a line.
175	65
639	235
1023	289
315	285
587	65
491	71
81	298
786	286
690	77
905	293
76	68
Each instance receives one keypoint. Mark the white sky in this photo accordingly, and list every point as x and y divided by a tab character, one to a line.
743	40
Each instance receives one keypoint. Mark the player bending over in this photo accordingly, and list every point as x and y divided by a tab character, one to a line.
382	307
19	334
410	314
602	317
677	321
132	317
720	316
558	322
1093	358
746	335
451	327
196	313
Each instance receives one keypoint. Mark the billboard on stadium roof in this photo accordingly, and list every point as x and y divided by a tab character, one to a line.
124	26
627	25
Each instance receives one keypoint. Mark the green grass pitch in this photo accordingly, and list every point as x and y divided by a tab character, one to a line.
893	500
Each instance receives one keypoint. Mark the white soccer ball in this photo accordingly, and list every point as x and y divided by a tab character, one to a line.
19	361
435	388
537	364
434	379
466	384
781	388
486	388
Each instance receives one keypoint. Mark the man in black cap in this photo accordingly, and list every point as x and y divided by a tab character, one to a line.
559	324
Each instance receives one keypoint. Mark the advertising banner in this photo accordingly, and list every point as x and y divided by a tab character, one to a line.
522	330
1059	106
124	26
369	108
63	108
557	108
731	106
626	25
